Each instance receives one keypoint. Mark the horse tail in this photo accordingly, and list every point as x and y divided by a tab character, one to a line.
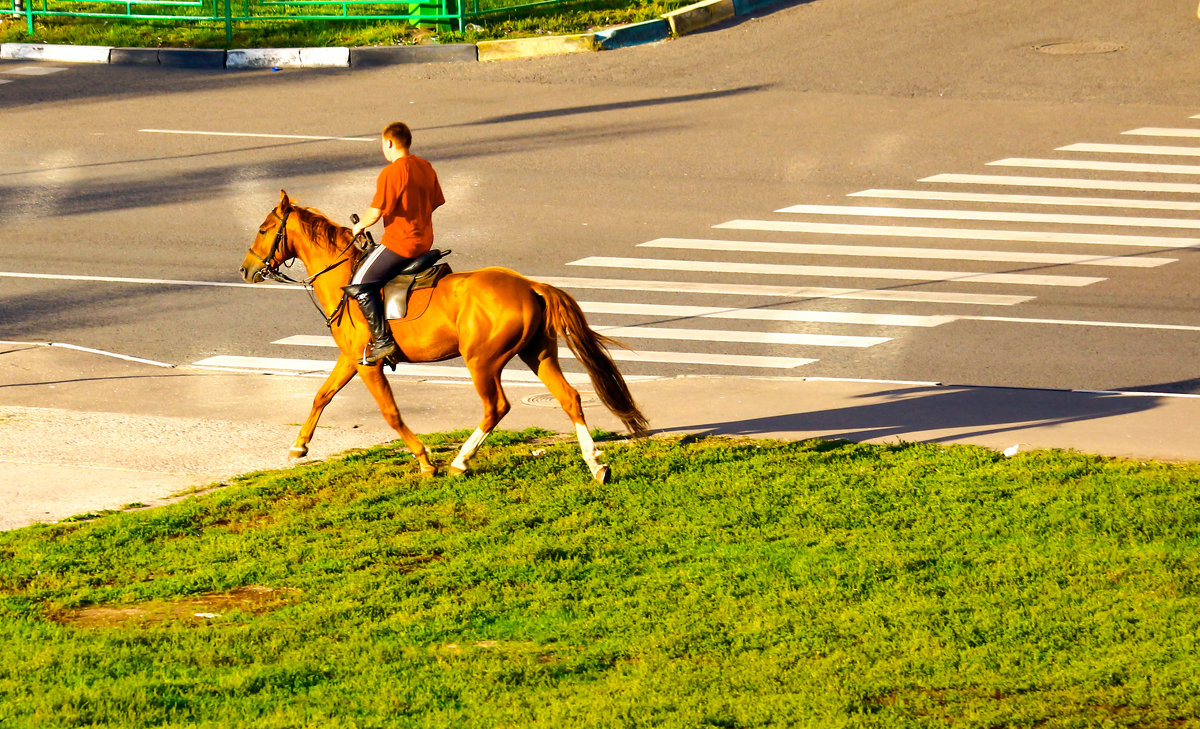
564	317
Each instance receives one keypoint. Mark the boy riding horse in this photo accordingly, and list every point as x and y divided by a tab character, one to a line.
406	194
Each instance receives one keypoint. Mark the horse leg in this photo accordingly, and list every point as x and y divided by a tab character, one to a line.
542	358
495	407
379	388
343	372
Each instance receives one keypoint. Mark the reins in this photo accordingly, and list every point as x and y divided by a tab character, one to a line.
271	271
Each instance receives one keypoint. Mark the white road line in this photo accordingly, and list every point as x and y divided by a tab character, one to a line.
952	254
719	335
768	269
259	136
623	355
1148	149
150	281
777	315
940	214
1066	182
1066	164
983	197
89	350
1164	132
788	292
900	231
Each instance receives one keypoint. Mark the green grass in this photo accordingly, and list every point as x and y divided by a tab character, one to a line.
713	583
567	18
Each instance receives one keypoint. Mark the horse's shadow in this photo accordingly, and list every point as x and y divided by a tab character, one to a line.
935	414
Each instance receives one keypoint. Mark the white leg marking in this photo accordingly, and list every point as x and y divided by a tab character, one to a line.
587	447
468	450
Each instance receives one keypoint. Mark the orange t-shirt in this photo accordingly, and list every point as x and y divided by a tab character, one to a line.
408	192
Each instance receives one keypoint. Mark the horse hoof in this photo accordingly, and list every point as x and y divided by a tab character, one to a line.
602	474
298	452
456	471
430	472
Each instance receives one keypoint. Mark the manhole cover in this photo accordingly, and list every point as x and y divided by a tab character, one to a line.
1078	48
546	400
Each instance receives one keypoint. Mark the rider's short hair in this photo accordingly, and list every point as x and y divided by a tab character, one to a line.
398	134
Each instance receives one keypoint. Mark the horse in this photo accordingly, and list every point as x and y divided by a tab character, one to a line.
486	316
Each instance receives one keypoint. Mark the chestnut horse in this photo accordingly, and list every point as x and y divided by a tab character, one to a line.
487	317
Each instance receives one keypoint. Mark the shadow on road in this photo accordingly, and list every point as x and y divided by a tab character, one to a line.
940	414
612	106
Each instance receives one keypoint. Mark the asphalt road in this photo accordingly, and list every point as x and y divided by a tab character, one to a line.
549	164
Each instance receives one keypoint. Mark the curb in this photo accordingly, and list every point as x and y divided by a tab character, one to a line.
698	16
287	58
172	57
634	34
502	50
673	24
43	52
368	57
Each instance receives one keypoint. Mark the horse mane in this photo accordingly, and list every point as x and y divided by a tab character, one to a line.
318	227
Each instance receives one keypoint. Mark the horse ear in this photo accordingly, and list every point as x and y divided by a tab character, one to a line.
284	201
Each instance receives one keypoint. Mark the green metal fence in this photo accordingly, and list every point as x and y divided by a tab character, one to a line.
443	14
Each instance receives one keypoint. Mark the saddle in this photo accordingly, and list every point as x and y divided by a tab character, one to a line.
422	273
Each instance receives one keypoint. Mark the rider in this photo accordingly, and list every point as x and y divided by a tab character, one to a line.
406	194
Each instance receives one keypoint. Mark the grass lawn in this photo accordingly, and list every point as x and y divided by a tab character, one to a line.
713	583
566	18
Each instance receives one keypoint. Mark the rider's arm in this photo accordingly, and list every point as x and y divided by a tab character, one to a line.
373	215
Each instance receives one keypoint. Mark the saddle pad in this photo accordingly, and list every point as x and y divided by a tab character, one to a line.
406	297
418	302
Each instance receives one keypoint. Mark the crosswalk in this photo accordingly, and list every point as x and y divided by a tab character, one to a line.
780	292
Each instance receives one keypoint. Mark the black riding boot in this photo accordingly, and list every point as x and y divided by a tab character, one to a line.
370	300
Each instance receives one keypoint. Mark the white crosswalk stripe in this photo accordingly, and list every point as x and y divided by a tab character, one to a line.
1149	149
734	360
1004	199
779	269
1067	182
1099	165
1030	236
1164	132
752	337
783	292
716	312
35	70
993	215
953	254
511	375
787	327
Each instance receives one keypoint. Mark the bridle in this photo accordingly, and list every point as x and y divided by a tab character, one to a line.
271	270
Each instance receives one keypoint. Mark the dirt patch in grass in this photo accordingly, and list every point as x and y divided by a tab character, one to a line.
254	599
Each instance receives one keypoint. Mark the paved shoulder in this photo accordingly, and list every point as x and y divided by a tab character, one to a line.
82	431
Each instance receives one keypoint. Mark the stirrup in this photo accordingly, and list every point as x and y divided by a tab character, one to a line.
389	359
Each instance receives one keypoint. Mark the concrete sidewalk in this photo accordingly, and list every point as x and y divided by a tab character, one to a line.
82	431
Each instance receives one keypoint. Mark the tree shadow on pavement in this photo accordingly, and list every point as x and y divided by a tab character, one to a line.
925	414
1180	387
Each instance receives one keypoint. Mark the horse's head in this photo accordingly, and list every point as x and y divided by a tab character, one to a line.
270	248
